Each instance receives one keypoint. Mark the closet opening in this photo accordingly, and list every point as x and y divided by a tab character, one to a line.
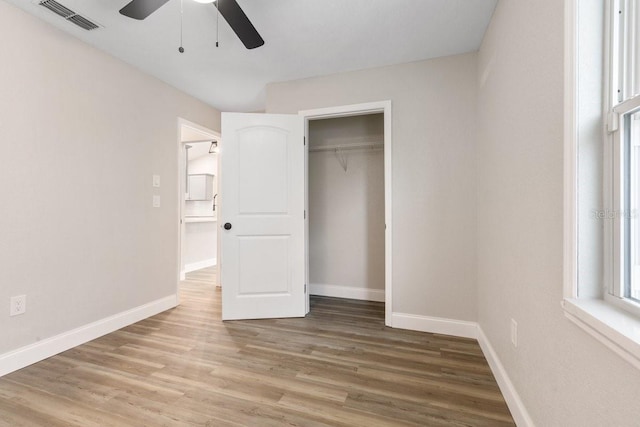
347	206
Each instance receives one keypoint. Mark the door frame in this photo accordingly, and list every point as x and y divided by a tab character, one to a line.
348	111
181	172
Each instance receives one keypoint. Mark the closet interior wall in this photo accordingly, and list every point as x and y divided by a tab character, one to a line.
346	207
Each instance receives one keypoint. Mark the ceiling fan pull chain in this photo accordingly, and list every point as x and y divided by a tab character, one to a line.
217	21
181	49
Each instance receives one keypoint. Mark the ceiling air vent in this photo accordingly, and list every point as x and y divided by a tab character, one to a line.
69	15
82	22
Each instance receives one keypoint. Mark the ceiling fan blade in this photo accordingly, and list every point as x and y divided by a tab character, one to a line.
239	23
140	9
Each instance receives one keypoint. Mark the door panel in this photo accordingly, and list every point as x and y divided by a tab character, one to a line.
272	275
262	186
263	189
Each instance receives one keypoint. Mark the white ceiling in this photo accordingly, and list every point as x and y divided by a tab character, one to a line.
189	134
303	38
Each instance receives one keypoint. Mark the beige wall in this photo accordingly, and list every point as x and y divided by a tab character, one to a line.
79	235
564	376
346	207
434	191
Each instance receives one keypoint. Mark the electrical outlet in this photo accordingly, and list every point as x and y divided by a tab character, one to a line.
18	305
514	333
156	201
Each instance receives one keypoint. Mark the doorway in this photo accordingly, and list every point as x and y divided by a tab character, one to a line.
337	138
198	202
265	238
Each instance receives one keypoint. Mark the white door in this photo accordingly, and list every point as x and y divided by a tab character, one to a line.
262	216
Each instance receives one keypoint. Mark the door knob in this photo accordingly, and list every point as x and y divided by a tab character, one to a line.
227	226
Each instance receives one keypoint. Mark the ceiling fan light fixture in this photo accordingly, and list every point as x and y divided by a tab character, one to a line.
229	9
204	1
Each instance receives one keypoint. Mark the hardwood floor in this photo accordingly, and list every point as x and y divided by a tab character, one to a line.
339	366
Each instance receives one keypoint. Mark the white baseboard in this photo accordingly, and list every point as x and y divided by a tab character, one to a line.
436	325
337	291
467	329
516	406
188	268
25	356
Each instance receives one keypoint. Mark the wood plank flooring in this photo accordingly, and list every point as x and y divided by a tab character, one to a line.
339	366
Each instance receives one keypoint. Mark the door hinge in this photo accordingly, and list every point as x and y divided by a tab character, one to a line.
305	214
305	288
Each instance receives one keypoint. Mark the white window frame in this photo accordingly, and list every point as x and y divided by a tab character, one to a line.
609	320
622	103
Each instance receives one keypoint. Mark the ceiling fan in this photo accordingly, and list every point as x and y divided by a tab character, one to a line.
229	9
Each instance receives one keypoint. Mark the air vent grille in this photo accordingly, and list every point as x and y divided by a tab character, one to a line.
83	22
69	15
57	8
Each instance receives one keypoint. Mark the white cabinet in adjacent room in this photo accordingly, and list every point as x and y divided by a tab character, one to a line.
200	187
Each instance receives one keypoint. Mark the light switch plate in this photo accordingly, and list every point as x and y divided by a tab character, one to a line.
156	201
156	181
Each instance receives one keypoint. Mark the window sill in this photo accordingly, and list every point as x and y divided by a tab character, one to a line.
614	327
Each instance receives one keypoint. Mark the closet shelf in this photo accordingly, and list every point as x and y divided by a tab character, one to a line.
343	147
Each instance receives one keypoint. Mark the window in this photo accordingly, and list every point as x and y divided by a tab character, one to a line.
623	124
602	172
631	288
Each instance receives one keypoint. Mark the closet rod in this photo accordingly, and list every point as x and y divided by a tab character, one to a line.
359	146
